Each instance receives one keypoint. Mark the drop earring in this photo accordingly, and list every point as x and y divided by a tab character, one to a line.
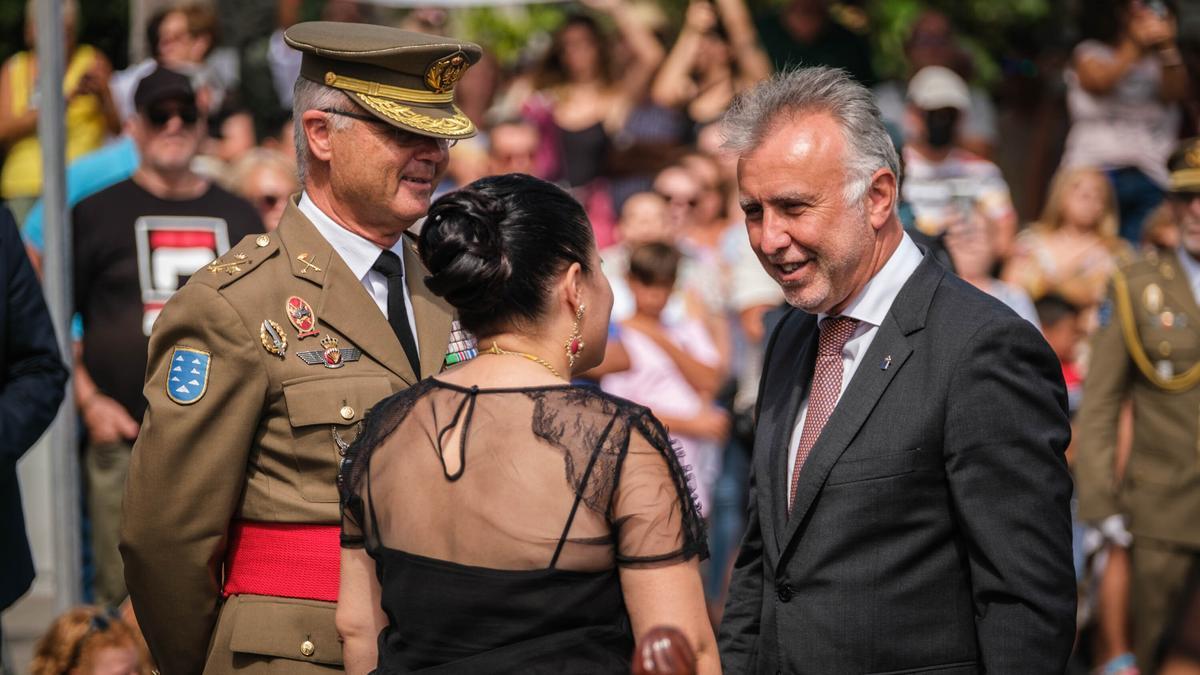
574	344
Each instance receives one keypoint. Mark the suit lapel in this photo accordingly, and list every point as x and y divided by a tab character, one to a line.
870	381
791	381
344	303
431	313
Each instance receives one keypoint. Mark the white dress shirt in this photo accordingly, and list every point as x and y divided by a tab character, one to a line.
1191	268
870	308
360	254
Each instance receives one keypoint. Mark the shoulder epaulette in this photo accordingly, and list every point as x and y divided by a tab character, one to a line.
246	255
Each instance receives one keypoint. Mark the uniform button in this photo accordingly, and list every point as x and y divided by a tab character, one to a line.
1164	348
347	412
307	648
784	592
262	240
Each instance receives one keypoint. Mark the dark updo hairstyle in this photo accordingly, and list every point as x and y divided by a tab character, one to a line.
494	247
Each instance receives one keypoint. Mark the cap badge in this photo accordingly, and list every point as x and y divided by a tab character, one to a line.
301	315
446	72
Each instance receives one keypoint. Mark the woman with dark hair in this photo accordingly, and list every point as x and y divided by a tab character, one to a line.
1124	87
497	518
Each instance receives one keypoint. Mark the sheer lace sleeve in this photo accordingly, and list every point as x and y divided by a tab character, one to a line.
654	512
353	477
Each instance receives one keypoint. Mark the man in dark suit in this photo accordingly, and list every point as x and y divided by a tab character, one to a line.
32	380
909	499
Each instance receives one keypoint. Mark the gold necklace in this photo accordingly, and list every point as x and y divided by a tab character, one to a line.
495	349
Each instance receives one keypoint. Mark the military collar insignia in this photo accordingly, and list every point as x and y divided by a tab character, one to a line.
187	378
231	267
331	356
272	338
301	316
308	264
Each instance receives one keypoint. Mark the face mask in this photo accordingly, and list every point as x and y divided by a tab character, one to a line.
939	127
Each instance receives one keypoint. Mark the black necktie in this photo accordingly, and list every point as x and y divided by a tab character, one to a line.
389	266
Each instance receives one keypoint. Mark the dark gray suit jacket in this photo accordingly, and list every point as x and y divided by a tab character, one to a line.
931	530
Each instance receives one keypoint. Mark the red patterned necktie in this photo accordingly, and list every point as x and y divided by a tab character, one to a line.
836	331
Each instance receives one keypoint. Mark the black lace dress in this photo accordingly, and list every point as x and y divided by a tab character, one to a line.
498	518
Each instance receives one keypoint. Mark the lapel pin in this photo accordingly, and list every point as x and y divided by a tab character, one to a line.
272	338
886	362
308	265
301	315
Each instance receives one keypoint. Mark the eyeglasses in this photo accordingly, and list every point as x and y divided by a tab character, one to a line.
406	139
99	623
159	116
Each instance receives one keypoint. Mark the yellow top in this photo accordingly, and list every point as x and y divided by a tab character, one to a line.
86	129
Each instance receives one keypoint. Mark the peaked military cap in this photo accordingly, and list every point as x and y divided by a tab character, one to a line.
404	78
1184	166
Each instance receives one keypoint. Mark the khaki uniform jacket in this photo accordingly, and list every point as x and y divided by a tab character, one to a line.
258	444
1148	351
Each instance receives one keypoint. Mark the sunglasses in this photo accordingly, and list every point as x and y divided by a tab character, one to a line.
1184	197
268	201
159	116
405	139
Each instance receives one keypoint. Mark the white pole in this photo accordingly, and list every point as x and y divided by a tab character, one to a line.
57	284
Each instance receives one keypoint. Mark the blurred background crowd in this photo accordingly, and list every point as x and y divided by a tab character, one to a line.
1034	133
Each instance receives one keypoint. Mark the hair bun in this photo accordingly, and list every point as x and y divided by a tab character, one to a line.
462	246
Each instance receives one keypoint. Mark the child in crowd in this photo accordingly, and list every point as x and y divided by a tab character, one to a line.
673	366
90	640
1064	330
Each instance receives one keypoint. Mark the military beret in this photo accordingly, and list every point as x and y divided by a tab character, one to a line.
1184	165
404	78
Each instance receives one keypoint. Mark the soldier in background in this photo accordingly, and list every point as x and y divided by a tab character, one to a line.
1148	351
262	367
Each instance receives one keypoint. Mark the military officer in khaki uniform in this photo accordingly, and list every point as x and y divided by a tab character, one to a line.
1149	351
262	367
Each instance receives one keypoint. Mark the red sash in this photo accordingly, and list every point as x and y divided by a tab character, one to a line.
285	560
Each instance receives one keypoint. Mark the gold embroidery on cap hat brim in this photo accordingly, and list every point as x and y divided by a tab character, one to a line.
369	88
456	125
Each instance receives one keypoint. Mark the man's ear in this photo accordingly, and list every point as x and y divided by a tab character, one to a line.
882	195
317	131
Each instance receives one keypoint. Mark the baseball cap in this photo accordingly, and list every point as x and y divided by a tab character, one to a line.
161	85
936	87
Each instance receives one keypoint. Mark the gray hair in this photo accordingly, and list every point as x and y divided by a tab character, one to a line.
754	114
309	95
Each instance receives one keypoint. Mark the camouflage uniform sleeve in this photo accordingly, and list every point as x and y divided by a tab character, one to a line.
187	473
1104	391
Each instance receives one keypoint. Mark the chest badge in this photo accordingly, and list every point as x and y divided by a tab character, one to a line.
187	378
272	338
331	356
1152	298
301	315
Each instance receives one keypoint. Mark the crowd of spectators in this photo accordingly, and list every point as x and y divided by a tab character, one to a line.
623	108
